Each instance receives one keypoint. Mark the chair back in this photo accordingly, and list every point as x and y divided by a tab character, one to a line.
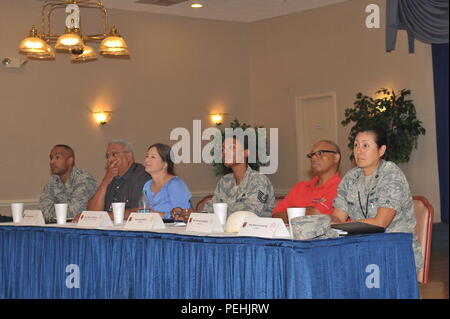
202	202
424	230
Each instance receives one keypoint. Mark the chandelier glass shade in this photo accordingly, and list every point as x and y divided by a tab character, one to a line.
33	44
114	44
87	55
48	55
73	41
69	41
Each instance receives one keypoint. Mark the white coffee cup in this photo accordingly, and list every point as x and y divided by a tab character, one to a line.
220	210
295	212
118	212
61	213
17	212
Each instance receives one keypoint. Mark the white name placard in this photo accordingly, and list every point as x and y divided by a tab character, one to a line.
263	227
32	218
204	223
93	219
144	221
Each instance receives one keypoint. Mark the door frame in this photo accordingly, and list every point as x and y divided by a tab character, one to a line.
299	127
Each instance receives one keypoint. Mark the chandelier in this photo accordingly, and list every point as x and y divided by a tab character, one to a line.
37	44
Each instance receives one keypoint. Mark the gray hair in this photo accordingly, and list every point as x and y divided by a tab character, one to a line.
336	148
333	144
128	146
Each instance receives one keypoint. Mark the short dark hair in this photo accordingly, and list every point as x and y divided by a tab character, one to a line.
379	133
241	138
67	148
164	152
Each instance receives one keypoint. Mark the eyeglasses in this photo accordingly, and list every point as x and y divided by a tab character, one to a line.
114	154
319	153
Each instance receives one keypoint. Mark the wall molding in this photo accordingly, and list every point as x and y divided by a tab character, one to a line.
27	202
195	194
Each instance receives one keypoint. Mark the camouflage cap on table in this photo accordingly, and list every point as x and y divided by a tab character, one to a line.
311	227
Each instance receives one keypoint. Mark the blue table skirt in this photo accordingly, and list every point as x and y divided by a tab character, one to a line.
35	263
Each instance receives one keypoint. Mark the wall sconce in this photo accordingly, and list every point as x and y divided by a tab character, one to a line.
217	118
102	117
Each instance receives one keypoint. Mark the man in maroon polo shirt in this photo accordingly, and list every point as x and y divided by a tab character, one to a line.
317	194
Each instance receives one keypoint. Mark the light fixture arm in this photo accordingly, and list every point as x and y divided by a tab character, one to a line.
49	6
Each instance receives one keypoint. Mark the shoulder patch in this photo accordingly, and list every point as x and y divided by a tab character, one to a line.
262	197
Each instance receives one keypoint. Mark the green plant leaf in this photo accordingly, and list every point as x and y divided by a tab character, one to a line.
395	114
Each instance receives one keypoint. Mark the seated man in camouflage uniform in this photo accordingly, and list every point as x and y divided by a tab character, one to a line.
244	189
68	184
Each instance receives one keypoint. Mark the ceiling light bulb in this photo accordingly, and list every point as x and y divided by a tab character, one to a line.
196	5
34	44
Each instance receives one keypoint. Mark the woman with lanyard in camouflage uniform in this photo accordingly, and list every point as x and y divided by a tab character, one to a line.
376	191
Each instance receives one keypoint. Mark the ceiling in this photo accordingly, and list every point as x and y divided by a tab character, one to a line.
226	10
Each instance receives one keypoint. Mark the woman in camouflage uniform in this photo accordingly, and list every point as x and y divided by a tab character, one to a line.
376	191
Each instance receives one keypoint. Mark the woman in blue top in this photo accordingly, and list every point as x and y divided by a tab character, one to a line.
165	191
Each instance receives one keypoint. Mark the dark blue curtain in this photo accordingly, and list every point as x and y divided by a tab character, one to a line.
120	264
428	21
440	74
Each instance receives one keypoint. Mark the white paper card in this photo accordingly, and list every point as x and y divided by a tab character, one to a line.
32	218
204	223
93	219
144	221
263	227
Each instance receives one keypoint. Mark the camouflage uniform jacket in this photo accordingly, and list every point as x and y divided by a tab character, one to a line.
254	194
387	187
76	192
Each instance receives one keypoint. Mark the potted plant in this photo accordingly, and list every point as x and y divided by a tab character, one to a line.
393	112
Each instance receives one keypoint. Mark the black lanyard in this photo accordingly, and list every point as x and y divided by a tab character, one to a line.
367	205
366	213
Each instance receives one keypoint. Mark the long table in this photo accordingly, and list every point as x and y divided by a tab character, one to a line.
55	262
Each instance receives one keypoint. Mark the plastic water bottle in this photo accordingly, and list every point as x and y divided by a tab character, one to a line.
144	203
